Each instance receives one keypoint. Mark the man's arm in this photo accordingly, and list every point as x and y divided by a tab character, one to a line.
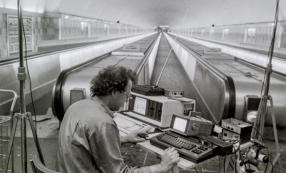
105	147
133	137
168	161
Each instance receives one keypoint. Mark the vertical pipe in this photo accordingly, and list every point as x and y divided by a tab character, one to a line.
269	66
1	147
22	90
24	144
11	129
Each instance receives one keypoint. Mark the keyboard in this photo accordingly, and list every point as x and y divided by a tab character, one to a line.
188	147
126	124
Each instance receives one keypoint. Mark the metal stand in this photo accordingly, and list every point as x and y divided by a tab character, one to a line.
23	118
258	126
258	129
23	115
11	121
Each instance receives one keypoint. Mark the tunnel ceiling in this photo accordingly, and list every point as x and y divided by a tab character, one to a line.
152	13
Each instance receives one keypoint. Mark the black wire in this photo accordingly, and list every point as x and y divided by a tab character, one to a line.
272	166
224	163
234	162
265	148
268	158
28	71
245	167
258	133
219	164
196	170
238	149
230	166
224	160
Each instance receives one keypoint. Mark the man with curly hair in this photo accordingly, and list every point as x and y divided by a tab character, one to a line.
89	140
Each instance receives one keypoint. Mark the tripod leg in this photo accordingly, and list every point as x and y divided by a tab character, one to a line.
10	145
36	138
275	137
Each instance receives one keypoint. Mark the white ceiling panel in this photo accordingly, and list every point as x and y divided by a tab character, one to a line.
152	13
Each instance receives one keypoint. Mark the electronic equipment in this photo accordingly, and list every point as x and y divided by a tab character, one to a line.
236	129
223	148
231	136
126	124
155	110
190	126
195	114
228	135
147	90
236	126
251	104
189	148
173	93
189	104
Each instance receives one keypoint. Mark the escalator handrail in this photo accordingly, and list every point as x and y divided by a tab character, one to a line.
141	64
230	101
41	54
57	102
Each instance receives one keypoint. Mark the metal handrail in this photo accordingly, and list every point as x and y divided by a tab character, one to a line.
227	80
13	102
39	55
208	65
11	119
146	56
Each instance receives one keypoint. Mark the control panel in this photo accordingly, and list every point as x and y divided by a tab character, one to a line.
234	129
157	110
235	125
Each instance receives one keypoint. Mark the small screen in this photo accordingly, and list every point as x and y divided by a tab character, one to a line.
180	124
140	105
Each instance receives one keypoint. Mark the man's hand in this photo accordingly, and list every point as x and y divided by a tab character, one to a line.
134	136
170	158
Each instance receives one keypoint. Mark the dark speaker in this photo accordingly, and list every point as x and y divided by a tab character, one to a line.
251	104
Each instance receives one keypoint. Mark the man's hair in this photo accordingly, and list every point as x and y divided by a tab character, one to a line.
109	79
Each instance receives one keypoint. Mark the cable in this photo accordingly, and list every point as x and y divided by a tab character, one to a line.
196	170
238	148
224	162
272	166
258	133
28	71
228	152
219	164
234	162
265	148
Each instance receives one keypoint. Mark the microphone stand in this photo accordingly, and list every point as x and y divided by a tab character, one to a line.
23	115
258	126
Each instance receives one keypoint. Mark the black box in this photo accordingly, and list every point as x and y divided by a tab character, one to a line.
148	90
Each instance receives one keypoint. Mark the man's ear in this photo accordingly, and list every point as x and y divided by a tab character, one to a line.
113	93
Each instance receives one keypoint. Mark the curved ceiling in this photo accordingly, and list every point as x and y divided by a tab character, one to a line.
173	13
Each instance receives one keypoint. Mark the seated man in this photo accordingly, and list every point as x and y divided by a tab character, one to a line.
89	140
